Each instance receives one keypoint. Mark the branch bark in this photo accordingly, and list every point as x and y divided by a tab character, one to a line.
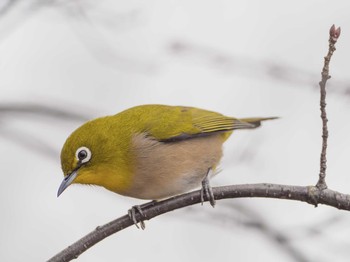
308	194
334	34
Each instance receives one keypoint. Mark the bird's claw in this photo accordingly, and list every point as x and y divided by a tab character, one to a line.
207	191
132	214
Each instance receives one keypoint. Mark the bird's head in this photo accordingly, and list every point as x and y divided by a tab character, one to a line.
95	154
82	155
78	155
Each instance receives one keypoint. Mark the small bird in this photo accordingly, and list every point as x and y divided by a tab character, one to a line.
150	151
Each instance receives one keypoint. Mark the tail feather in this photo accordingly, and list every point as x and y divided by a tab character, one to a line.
255	121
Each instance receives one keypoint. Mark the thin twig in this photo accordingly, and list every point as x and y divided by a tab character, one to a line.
308	194
334	33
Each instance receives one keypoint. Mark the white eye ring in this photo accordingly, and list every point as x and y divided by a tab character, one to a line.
83	154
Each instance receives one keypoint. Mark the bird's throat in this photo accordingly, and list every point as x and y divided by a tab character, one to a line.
113	179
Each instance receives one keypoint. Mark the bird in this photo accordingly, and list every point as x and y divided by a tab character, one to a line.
150	151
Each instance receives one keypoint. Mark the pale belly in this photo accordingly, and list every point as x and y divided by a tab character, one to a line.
163	170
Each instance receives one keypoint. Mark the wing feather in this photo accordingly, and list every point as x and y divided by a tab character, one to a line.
174	123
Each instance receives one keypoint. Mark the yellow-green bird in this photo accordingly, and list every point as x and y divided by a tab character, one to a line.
149	151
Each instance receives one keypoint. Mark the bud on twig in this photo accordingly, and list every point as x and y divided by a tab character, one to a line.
334	33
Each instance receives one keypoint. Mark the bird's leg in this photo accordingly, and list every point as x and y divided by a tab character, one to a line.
207	190
132	214
138	208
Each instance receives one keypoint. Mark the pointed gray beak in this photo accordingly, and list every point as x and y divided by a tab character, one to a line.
67	181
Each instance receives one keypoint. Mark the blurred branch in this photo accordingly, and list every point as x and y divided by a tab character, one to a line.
24	139
278	237
7	6
253	220
99	44
104	51
13	14
30	142
96	42
307	194
316	229
21	108
247	66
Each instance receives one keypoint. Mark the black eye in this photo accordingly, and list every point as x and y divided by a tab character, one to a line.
82	154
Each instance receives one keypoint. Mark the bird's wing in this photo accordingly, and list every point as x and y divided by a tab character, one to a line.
178	123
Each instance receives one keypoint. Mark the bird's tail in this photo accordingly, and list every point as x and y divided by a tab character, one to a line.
255	121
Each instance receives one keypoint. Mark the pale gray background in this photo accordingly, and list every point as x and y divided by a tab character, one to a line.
240	58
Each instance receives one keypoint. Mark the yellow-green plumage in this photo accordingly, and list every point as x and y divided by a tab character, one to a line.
151	151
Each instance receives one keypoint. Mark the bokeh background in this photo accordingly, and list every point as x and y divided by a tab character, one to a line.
64	62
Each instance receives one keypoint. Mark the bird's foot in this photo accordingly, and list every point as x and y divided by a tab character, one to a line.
138	209
132	214
207	191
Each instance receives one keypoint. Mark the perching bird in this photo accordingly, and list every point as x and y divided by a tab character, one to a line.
150	151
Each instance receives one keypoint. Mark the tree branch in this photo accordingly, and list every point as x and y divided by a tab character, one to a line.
334	34
308	194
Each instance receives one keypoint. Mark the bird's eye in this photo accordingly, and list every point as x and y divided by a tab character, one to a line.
83	154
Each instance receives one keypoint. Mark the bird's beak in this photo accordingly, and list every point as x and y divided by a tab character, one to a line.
67	181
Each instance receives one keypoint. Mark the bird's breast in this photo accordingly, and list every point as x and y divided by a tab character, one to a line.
164	169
